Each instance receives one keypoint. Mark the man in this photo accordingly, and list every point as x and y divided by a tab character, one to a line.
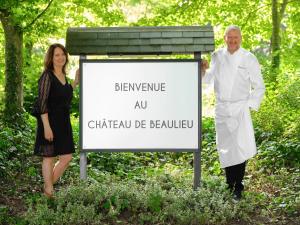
238	87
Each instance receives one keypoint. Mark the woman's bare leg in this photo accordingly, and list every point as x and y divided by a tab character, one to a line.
47	171
60	166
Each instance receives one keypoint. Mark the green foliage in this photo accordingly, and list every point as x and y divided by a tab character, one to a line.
209	155
7	219
15	145
278	192
278	116
290	94
130	164
277	127
2	66
278	154
268	119
219	14
75	103
111	201
31	76
155	200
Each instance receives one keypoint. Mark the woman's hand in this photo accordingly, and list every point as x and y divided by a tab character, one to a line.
48	133
77	79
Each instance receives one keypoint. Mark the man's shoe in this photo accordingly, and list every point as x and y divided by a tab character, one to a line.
237	195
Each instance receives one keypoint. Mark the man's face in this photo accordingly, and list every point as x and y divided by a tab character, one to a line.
233	40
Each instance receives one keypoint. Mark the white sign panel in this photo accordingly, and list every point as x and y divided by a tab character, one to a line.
139	105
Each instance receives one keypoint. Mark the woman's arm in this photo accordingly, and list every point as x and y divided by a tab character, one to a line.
44	89
76	80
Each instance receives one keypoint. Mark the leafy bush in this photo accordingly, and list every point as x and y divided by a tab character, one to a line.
277	192
290	94
277	124
209	154
113	201
278	154
290	100
15	145
279	113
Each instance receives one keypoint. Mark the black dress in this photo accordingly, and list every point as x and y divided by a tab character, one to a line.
54	98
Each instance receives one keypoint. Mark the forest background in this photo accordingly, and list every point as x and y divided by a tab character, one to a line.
148	188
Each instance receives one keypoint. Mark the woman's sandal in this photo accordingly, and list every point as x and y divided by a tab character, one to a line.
47	194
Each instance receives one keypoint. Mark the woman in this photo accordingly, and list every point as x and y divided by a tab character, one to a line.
54	132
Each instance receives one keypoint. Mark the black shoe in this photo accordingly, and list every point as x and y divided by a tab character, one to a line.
237	195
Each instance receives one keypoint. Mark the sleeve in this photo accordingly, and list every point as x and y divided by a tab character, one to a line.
209	74
257	84
43	92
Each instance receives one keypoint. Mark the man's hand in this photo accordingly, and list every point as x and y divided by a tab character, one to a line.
204	67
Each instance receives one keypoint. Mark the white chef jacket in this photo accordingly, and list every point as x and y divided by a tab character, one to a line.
238	86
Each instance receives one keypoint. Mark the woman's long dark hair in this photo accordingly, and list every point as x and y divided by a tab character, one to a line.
48	63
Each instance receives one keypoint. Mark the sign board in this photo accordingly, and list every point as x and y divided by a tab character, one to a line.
140	105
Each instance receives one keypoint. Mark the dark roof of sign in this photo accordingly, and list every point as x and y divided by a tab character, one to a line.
140	40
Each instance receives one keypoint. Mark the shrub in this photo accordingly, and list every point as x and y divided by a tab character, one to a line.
278	154
15	146
112	201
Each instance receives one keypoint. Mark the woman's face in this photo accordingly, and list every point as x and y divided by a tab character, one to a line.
59	57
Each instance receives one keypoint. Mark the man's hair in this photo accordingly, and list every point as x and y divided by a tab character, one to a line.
232	27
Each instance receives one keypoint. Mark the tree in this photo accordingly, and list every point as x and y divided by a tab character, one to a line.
278	11
16	17
263	24
27	19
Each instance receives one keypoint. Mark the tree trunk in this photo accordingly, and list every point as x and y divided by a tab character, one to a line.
28	53
13	68
275	41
